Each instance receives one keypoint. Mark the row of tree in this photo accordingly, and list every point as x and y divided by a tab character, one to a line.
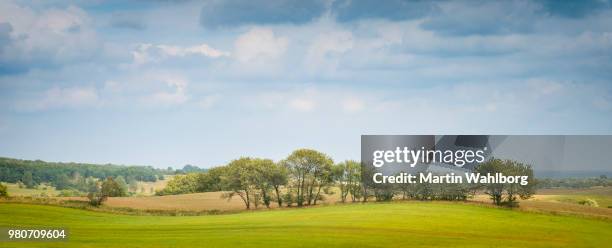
307	176
301	179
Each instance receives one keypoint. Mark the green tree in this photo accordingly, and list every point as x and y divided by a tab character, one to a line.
278	177
210	180
132	184
181	184
408	190
90	185
263	169
195	182
28	180
13	170
507	193
112	188
3	190
108	188
122	184
384	192
62	182
347	176
366	173
239	181
309	169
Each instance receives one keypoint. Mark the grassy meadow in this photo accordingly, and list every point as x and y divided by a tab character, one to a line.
41	190
400	224
601	195
552	218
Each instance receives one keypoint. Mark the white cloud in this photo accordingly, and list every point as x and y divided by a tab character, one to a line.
352	105
178	95
58	98
48	36
259	43
322	51
149	53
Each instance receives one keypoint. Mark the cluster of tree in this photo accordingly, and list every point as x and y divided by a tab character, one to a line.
194	182
109	187
71	175
301	179
507	193
306	176
574	183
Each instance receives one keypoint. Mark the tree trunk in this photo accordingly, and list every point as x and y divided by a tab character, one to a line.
343	192
310	188
279	200
318	192
245	200
266	199
365	193
248	199
300	195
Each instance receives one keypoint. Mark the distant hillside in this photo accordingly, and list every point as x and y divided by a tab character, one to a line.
70	175
571	174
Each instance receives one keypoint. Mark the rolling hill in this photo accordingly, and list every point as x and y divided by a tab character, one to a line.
414	224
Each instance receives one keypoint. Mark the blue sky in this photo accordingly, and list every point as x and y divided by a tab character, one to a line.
168	83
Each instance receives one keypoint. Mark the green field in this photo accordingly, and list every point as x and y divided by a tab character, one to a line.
601	195
412	224
40	190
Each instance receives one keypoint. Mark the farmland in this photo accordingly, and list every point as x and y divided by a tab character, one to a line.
44	190
40	190
557	201
415	224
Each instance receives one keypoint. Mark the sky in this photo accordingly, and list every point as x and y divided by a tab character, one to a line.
169	83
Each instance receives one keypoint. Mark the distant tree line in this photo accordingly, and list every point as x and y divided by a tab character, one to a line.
307	176
188	169
574	183
78	176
